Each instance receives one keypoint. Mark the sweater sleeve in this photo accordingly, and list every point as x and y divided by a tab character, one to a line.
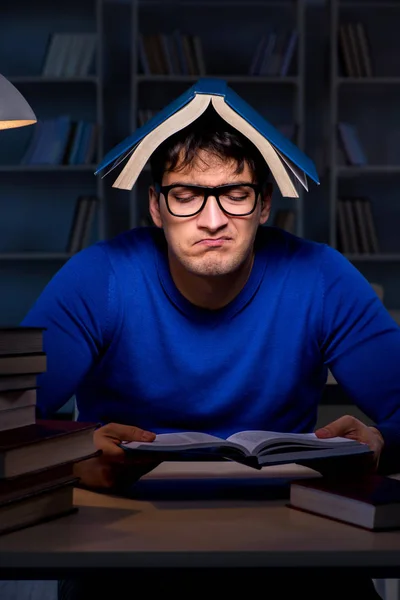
361	346
77	310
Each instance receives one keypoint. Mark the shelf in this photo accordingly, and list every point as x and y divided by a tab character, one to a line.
394	80
219	3
369	5
39	79
229	78
367	170
41	168
40	256
381	257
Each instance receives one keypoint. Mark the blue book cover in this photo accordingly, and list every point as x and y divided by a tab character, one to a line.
217	87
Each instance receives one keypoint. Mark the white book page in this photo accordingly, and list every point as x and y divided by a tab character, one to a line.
252	440
298	173
178	441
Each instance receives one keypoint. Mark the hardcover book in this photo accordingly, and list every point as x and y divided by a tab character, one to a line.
253	448
287	163
37	505
371	502
21	340
44	444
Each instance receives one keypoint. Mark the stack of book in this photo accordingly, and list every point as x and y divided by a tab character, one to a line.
36	456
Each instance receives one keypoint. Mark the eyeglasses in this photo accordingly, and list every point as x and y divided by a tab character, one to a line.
237	200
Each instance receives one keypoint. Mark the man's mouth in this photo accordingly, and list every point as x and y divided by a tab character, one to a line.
213	241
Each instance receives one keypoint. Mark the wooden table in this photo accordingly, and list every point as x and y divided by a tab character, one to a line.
196	516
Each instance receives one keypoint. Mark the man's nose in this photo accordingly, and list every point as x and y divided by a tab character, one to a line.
212	216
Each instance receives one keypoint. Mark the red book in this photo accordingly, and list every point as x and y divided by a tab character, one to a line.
371	501
44	444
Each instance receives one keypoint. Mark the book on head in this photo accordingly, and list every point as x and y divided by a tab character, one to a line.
287	163
371	501
253	448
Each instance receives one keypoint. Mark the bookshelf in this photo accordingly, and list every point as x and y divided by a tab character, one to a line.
38	196
228	38
364	94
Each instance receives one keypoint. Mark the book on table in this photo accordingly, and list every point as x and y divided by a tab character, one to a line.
44	444
38	505
371	501
254	448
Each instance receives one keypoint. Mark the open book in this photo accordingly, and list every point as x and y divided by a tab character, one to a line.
254	448
287	163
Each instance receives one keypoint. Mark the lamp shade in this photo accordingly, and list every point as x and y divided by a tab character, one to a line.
14	109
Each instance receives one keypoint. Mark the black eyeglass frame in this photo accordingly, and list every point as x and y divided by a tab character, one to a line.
210	191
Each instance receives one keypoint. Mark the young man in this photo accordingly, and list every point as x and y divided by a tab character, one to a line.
239	322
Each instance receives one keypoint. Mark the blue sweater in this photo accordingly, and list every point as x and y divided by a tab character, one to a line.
124	340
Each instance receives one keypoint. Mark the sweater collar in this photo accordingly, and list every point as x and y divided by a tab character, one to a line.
201	314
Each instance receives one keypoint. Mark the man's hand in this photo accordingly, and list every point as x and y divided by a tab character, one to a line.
112	468
350	427
108	438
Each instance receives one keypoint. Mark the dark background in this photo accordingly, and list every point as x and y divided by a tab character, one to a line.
37	201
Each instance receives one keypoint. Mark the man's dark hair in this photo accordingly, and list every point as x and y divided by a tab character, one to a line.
211	133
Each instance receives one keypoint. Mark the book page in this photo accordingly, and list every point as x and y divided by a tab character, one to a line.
299	173
268	151
177	441
144	149
255	440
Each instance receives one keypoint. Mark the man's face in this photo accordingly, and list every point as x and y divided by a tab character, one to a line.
210	243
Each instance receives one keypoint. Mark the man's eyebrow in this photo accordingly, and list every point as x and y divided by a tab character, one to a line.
187	184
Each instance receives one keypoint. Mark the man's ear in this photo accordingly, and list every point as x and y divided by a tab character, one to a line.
154	206
266	199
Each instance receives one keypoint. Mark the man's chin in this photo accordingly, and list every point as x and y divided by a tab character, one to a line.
212	268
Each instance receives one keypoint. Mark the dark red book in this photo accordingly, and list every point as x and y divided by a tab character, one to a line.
371	501
37	505
44	444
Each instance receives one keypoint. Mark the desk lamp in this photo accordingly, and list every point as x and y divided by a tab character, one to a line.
14	109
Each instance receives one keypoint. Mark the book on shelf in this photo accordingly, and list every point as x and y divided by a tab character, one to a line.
253	448
289	166
69	55
173	53
356	227
61	141
351	144
354	50
274	54
371	501
82	221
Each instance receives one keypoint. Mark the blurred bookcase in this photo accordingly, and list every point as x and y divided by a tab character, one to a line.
40	188
365	140
175	43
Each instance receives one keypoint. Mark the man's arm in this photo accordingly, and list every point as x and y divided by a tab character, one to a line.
360	343
78	309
